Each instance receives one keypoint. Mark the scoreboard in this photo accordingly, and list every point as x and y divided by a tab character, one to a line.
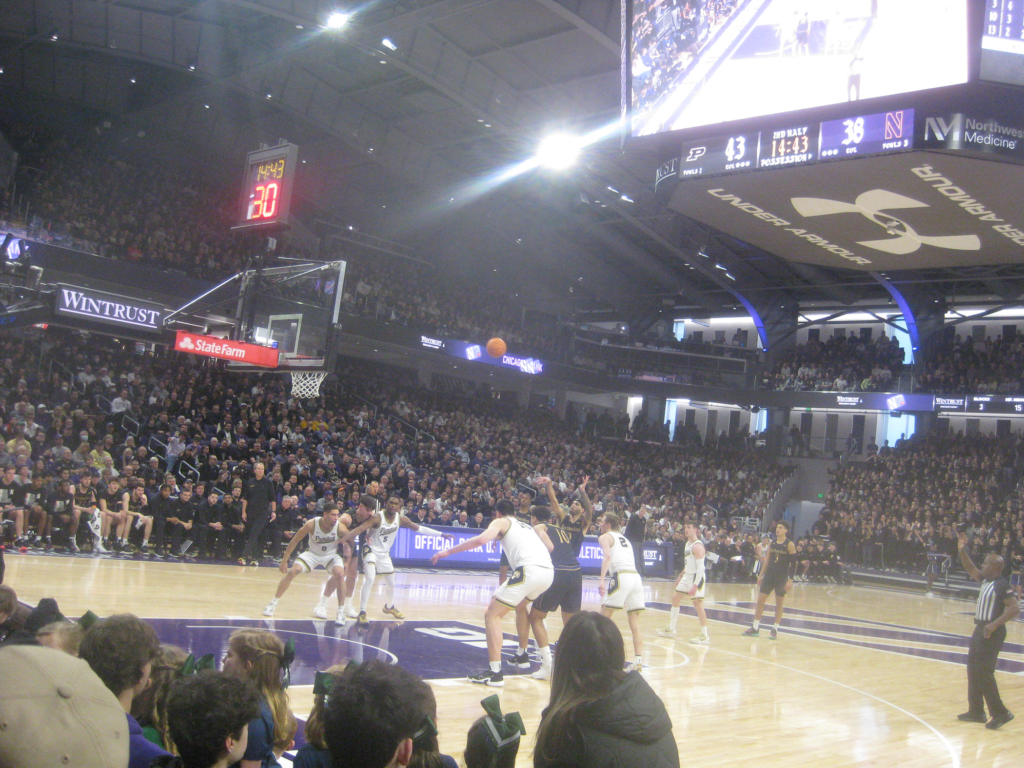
799	144
1004	26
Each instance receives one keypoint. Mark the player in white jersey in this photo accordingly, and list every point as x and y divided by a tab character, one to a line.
381	532
323	534
626	590
531	573
691	582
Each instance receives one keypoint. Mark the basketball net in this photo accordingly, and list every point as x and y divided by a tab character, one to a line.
307	383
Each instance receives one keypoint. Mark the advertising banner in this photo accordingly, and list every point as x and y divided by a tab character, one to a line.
109	308
225	349
416	549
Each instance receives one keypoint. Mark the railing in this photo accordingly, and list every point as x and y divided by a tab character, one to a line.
130	425
185	470
778	502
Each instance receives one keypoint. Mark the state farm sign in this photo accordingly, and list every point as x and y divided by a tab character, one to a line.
225	349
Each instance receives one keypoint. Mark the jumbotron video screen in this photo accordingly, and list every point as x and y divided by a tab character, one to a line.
702	62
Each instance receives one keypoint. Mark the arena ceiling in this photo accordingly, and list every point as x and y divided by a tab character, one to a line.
404	140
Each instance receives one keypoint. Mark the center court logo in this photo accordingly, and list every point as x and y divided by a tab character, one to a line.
874	206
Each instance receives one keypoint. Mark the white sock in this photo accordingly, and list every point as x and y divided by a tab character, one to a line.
496	666
673	617
389	581
756	625
145	543
522	649
637	660
348	602
323	600
704	631
274	601
775	626
545	656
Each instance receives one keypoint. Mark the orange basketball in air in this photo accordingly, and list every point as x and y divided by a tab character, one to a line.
496	347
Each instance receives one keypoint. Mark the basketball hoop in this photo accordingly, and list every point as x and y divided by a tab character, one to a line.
306	384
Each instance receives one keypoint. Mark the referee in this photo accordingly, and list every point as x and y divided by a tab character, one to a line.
996	606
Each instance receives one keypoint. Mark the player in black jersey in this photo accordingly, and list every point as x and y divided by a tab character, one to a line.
776	576
562	531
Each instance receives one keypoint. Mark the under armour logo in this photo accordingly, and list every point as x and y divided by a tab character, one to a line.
872	205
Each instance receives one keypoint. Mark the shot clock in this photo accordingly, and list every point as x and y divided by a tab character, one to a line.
267	187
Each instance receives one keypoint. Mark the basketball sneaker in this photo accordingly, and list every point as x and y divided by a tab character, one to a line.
362	620
495	679
667	632
271	607
320	610
352	612
751	633
970	717
544	673
393	611
700	640
72	546
521	660
340	620
98	548
774	634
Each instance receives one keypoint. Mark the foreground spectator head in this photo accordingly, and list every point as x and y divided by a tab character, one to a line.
493	740
55	712
315	723
259	656
62	636
150	706
597	707
208	717
373	717
121	649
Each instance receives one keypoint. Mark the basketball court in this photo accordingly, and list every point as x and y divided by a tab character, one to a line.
858	676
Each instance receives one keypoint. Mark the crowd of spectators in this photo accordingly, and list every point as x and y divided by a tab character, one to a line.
908	503
840	364
966	366
199	431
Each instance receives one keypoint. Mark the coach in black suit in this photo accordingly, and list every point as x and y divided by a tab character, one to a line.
996	606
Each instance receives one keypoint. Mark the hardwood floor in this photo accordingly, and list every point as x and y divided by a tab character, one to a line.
858	676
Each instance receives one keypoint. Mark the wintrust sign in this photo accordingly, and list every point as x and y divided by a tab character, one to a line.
225	349
109	308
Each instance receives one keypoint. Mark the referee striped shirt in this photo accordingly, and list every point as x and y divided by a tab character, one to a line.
990	600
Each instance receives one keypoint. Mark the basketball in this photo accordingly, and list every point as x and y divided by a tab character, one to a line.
496	347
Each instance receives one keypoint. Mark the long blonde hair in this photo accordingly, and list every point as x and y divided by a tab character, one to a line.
264	653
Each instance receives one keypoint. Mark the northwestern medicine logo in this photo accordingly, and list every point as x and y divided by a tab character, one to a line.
874	206
95	307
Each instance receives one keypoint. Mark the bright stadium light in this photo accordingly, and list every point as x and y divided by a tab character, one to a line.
558	151
337	20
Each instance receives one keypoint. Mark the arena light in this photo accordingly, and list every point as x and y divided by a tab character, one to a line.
337	20
558	150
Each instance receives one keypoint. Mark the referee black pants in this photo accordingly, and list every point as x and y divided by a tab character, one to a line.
253	548
981	672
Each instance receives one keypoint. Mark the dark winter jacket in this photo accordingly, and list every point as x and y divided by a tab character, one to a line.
628	728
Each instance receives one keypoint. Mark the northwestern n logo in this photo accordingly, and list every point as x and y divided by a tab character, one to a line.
873	206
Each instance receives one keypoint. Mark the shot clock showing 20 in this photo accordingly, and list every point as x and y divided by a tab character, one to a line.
267	187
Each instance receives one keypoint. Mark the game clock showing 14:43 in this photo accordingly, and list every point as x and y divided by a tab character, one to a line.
789	146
